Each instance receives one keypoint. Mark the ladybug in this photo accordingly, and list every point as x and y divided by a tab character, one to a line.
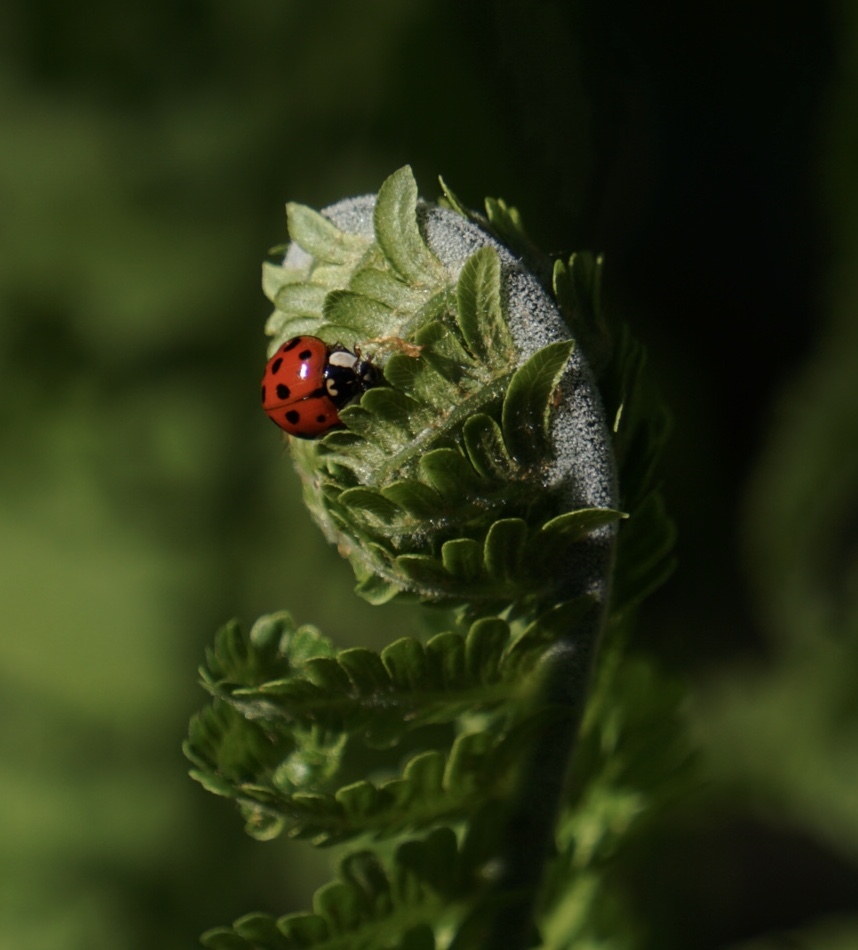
307	382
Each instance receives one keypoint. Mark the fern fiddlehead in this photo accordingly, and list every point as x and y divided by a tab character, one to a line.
480	476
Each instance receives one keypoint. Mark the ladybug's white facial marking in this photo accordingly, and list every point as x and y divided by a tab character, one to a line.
331	387
342	358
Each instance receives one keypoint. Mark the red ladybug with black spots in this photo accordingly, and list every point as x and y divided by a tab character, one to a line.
307	382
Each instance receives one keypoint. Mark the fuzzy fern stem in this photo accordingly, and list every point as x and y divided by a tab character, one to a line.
527	836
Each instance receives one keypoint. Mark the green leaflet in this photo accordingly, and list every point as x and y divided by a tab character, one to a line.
300	300
481	317
362	316
402	372
397	233
504	548
576	525
527	401
506	222
484	648
486	448
419	500
276	277
386	288
273	649
644	553
374	588
450	200
228	750
321	239
449	473
372	503
392	406
577	288
463	558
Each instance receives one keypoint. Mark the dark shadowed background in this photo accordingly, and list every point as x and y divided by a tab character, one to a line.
146	152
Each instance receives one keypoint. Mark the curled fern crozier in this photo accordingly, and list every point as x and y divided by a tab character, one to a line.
481	472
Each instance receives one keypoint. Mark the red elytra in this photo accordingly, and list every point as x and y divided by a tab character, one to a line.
307	382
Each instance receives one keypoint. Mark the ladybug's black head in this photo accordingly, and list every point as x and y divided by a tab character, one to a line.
347	376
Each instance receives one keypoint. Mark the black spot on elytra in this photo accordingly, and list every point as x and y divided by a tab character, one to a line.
282	391
321	418
275	366
293	416
305	354
290	345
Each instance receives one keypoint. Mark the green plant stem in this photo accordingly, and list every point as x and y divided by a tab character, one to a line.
528	833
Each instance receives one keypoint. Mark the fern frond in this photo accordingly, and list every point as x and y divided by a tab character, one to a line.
424	890
481	474
278	746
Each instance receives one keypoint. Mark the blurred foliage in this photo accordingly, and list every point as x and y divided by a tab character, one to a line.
146	152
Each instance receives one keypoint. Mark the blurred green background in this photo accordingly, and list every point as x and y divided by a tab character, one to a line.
146	151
